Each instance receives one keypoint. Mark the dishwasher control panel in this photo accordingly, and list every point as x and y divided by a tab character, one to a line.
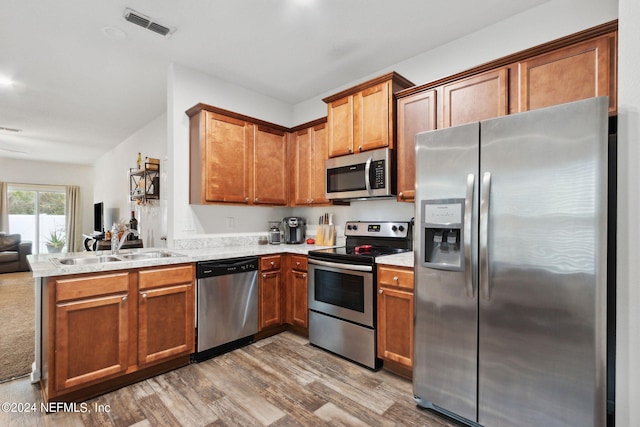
225	267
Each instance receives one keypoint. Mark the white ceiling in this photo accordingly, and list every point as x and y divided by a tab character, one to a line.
78	93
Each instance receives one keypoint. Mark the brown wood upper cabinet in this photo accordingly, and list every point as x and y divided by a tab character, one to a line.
575	72
309	151
236	159
416	113
475	98
363	118
575	67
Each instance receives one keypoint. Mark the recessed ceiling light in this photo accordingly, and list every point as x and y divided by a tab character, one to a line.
114	33
6	81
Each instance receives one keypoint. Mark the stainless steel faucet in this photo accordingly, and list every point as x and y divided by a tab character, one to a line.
116	245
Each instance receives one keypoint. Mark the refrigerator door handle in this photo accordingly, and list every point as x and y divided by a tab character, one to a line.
484	232
468	214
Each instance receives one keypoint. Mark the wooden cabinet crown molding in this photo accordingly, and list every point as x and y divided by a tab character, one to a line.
600	30
396	78
193	111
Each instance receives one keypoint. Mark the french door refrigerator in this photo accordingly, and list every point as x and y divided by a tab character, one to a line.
511	246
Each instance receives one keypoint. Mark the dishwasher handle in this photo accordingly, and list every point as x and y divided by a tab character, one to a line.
225	267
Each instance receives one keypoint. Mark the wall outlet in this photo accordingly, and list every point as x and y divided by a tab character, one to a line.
230	223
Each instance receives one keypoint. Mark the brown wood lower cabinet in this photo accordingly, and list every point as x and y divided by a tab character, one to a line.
395	317
96	335
270	292
165	299
297	303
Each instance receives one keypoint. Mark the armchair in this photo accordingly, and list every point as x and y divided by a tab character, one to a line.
13	253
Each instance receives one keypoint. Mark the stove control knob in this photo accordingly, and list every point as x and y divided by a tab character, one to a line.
355	227
394	228
349	227
401	228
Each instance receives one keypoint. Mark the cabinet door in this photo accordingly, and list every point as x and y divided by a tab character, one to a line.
475	98
270	310
270	166
302	153
299	313
395	325
317	171
166	313
227	166
91	329
371	118
570	74
340	121
416	113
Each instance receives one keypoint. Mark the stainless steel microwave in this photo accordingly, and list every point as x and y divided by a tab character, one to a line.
360	176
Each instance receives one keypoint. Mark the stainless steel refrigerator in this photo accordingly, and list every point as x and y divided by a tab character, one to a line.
511	247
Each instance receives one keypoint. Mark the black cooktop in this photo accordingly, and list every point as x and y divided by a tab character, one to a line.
368	240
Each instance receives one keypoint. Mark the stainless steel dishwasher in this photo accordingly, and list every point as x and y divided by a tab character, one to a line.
227	305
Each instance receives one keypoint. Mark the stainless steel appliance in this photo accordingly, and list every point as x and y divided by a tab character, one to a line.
342	283
360	176
227	305
511	214
293	229
274	233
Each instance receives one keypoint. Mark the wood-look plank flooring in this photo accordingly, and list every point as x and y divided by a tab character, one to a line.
278	381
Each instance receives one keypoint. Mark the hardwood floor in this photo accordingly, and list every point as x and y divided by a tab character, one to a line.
278	381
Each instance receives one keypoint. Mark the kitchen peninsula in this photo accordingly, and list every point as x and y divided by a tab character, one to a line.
104	321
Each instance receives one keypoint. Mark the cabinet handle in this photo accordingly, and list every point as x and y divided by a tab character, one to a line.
144	295
297	263
264	275
380	291
360	147
304	276
246	199
401	195
350	150
256	200
124	299
310	200
395	279
273	263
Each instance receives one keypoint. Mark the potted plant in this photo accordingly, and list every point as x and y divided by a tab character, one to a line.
56	241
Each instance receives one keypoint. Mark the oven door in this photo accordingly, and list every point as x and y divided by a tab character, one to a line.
342	290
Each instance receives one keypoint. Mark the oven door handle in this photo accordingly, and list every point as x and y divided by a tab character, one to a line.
342	266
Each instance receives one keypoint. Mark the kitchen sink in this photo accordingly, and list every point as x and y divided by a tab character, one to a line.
87	260
147	255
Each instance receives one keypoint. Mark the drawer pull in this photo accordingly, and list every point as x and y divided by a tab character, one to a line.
144	295
124	299
380	291
395	278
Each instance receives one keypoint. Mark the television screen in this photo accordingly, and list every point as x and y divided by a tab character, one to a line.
98	217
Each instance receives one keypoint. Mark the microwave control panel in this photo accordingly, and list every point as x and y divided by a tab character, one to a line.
377	174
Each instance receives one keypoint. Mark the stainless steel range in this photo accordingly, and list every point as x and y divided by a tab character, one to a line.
342	283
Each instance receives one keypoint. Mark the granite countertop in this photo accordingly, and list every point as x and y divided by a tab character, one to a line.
404	259
43	265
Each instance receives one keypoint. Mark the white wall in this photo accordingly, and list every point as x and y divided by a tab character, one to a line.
547	22
628	269
111	177
47	173
187	88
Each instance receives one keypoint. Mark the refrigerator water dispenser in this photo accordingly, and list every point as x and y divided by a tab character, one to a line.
442	234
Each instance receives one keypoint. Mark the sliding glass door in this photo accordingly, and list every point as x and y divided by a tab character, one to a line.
38	214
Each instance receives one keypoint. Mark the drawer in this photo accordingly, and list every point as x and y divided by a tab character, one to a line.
156	277
270	262
396	277
90	286
299	262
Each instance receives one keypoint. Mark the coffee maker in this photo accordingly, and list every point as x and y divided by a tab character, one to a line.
293	229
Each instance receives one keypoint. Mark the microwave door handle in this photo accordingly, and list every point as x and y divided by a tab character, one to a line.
367	177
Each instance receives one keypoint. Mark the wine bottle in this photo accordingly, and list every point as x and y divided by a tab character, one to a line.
133	225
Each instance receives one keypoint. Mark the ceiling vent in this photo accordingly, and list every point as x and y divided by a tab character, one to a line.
146	22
